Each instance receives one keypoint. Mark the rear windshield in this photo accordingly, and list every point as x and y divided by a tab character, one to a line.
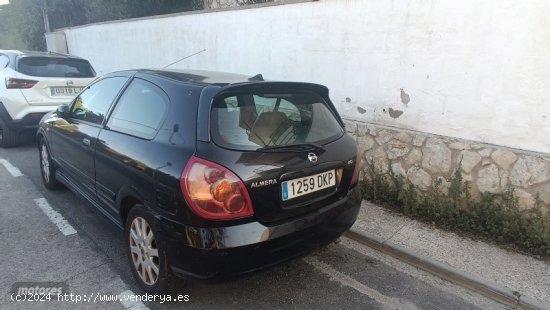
252	121
55	67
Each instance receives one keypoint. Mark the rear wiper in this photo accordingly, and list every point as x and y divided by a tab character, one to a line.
302	147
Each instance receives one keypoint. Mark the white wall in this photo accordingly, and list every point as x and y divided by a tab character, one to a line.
478	70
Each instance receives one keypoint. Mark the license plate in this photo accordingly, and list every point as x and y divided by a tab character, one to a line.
65	91
307	185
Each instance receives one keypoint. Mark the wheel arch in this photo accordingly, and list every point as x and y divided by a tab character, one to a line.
39	136
126	200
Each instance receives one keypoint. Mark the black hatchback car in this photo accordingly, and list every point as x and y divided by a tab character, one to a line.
209	174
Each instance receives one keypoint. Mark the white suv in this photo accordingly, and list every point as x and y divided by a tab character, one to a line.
33	84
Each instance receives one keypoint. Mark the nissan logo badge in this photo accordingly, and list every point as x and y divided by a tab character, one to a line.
312	157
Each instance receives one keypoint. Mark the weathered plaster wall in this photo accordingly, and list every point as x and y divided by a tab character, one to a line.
423	159
477	70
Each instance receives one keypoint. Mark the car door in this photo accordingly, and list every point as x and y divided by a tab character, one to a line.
74	137
126	155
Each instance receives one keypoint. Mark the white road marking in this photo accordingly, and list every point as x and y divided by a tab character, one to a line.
55	217
386	301
129	302
11	168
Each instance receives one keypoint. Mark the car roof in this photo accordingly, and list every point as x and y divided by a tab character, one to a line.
13	53
219	78
203	77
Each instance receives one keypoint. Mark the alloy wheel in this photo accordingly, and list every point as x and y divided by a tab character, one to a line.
144	251
45	162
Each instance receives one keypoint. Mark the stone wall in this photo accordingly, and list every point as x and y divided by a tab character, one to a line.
424	158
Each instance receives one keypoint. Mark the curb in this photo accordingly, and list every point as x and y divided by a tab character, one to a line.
499	294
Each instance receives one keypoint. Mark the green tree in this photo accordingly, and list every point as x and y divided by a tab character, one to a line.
9	38
22	25
29	23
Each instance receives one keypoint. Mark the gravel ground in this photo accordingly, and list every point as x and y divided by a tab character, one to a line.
518	272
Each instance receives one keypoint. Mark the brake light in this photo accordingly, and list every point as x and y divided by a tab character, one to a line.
214	192
357	168
12	83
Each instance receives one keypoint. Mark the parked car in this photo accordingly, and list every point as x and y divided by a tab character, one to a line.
34	83
208	174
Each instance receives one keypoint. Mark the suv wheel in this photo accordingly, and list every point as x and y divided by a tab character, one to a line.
47	167
145	255
8	137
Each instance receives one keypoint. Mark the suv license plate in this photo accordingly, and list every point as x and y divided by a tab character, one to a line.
307	185
65	91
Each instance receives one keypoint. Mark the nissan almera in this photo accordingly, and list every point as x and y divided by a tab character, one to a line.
208	174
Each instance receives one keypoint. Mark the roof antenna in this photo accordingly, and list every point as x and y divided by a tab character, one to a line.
257	77
175	62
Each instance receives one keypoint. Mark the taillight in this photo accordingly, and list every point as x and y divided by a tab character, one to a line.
214	192
357	168
12	83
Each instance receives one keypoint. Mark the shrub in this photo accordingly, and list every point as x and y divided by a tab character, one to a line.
494	215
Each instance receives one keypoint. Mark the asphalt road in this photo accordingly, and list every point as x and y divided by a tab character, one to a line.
55	237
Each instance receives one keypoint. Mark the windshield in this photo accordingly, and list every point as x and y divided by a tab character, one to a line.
256	120
55	67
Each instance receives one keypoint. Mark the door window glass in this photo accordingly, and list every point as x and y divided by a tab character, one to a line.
140	110
94	102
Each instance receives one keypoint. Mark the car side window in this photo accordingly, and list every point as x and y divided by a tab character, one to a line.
94	102
140	110
4	60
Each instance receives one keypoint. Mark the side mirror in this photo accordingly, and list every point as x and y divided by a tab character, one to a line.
63	110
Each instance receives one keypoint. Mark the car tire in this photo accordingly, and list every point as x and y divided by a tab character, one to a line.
47	167
146	256
8	136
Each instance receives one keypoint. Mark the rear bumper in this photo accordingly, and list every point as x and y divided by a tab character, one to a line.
30	116
218	252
